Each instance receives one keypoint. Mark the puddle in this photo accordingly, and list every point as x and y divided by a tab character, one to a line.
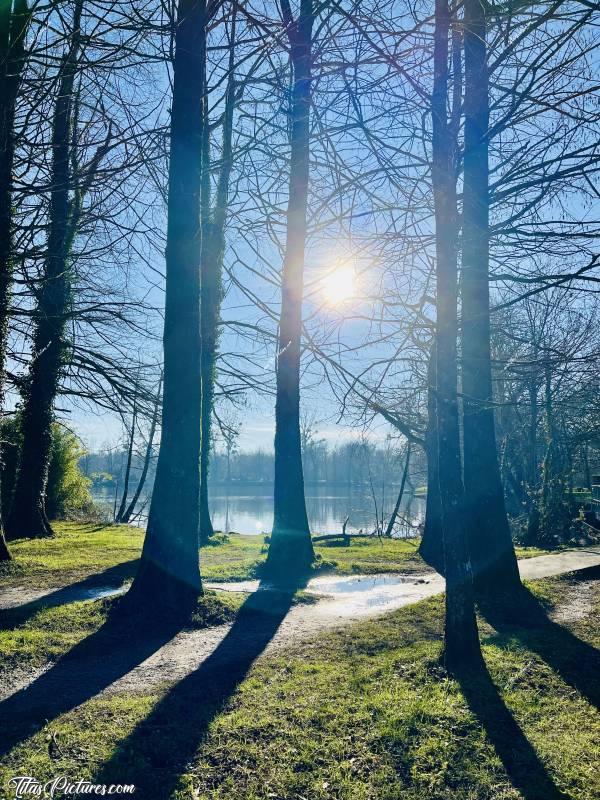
355	595
99	592
362	595
236	586
352	584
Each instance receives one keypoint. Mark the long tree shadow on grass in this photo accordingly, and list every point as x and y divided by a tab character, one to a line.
121	644
576	661
521	762
110	579
156	753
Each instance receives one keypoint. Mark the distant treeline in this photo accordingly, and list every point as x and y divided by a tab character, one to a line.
355	462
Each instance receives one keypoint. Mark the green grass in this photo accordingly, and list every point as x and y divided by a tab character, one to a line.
368	555
82	550
530	552
77	551
365	713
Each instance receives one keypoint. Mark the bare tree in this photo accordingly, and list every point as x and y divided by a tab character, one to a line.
213	251
169	574
130	450
490	542
14	20
129	510
291	548
28	512
461	642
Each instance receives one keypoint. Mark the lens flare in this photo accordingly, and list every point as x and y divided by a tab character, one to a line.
339	285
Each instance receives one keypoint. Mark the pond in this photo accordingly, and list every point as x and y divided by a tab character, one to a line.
248	508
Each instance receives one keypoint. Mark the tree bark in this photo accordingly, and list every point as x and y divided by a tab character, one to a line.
211	291
169	575
28	517
494	561
14	21
461	641
291	550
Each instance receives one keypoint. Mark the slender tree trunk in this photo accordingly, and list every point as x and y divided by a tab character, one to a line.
392	520
27	517
228	479
127	514
291	548
461	642
14	21
169	573
123	504
494	560
555	516
533	512
211	292
431	548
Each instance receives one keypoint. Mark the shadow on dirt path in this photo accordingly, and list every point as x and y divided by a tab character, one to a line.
91	666
171	734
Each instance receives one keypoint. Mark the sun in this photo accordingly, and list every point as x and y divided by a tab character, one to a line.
339	285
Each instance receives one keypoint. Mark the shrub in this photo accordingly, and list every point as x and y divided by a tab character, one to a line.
68	490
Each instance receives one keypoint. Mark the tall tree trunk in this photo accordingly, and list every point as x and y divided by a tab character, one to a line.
461	641
494	560
127	514
211	291
14	21
291	549
27	517
131	444
431	548
169	573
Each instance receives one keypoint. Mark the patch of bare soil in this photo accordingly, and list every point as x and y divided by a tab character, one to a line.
579	602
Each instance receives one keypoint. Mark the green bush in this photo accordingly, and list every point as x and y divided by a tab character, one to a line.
68	490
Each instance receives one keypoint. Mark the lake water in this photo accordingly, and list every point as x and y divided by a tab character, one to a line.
248	508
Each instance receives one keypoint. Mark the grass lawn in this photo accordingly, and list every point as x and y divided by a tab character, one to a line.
365	713
110	552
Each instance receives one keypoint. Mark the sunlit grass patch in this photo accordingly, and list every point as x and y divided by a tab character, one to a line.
77	551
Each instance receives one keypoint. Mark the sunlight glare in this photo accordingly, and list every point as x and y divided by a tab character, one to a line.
339	285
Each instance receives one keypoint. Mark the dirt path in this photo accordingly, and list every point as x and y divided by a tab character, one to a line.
341	600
